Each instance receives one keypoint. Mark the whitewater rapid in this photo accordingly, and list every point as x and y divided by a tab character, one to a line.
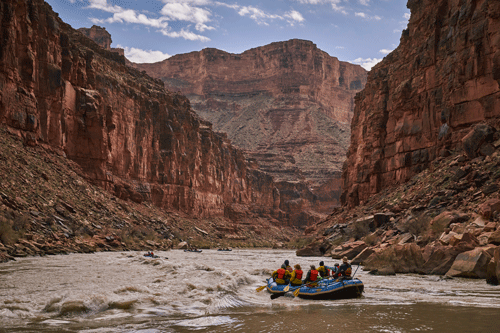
208	291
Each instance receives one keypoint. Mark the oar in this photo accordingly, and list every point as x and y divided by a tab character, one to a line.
286	288
355	271
261	288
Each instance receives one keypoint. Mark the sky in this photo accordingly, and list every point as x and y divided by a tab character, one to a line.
358	31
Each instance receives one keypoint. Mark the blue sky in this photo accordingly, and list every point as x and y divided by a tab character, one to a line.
357	31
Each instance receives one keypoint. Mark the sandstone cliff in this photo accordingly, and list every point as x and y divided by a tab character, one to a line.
421	100
128	134
288	104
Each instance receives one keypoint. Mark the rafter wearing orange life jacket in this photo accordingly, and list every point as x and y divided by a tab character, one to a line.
296	279
281	275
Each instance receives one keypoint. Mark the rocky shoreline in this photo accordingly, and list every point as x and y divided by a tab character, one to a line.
445	221
48	206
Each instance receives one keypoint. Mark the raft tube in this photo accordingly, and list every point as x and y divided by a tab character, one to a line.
327	289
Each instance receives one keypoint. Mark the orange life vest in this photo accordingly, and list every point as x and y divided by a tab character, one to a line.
281	273
298	274
314	275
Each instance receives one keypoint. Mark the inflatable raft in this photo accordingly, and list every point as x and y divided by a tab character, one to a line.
189	250
323	289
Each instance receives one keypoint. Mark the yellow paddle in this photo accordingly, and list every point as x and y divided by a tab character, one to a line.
286	288
296	292
261	288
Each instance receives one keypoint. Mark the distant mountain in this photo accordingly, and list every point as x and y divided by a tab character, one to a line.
287	104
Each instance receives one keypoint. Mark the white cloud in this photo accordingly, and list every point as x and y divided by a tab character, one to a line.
191	2
186	12
335	4
363	15
364	2
385	51
143	56
294	16
131	16
184	34
103	5
366	63
258	15
340	47
406	16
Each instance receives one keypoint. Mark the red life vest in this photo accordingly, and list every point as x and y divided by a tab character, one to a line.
314	275
298	274
281	273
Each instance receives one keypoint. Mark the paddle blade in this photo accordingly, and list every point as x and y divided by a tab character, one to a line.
273	296
260	288
286	288
296	292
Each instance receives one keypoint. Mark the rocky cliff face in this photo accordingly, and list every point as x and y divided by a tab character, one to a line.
422	99
288	104
129	134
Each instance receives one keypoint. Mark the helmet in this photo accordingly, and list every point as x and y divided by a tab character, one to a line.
287	262
321	263
344	259
337	264
283	266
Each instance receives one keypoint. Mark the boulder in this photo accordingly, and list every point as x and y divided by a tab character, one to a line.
493	269
382	218
362	256
494	238
315	249
383	271
489	207
491	226
480	134
183	245
349	250
445	219
470	264
447	236
405	258
441	258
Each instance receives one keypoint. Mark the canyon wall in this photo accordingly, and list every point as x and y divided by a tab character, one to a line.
422	99
287	104
131	136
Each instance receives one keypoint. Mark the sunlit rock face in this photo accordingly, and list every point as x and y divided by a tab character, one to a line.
131	136
287	104
424	97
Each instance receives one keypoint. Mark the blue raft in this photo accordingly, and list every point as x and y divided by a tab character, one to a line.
323	289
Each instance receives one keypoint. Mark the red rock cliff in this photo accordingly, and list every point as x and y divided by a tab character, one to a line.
423	98
128	133
288	104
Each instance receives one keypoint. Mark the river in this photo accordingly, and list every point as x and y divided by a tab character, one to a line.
215	291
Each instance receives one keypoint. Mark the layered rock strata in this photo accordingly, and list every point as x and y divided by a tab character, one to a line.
129	135
287	104
422	99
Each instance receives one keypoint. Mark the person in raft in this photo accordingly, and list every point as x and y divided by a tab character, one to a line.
345	269
281	276
296	278
323	270
288	267
312	275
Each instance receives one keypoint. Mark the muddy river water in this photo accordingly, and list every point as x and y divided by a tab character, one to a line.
215	291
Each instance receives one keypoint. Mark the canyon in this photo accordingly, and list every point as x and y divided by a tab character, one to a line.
421	181
288	105
126	133
423	98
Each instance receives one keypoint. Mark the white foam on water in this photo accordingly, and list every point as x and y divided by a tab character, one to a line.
205	322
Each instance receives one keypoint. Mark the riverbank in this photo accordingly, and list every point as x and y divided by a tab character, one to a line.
444	221
47	206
